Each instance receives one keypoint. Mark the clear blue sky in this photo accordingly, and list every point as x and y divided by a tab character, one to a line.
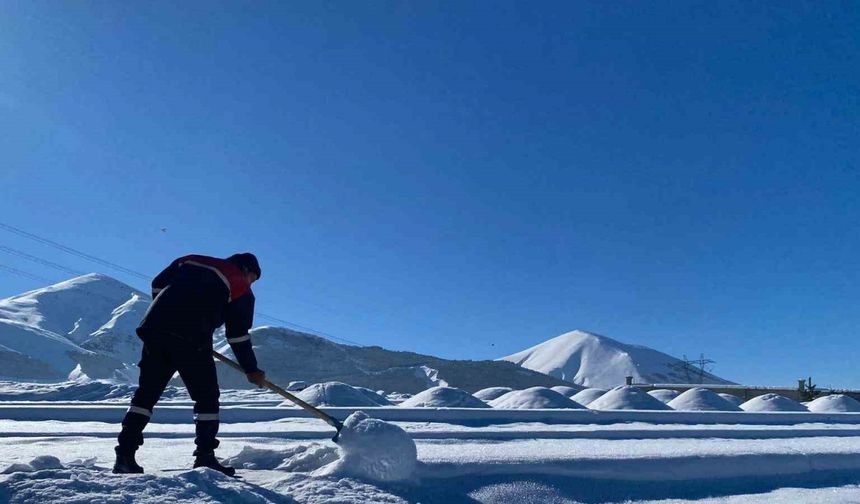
461	178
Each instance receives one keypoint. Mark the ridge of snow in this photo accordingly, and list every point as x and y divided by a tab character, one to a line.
490	393
772	402
627	397
534	398
589	395
836	403
663	395
737	401
701	399
443	397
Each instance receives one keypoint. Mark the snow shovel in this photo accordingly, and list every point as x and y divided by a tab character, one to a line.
334	422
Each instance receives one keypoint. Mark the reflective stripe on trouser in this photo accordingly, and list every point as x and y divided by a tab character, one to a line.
160	359
206	424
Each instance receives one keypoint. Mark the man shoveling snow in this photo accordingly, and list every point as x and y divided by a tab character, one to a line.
192	298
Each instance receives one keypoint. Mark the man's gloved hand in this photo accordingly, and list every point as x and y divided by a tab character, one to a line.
258	378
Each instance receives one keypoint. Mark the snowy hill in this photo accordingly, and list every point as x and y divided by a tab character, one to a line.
592	360
288	355
46	333
84	327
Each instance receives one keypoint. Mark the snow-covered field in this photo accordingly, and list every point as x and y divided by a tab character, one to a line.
464	455
514	439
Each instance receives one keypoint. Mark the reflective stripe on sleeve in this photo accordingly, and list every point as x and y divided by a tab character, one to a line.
205	417
140	411
239	339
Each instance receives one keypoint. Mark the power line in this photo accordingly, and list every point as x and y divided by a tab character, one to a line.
39	260
118	267
22	273
70	250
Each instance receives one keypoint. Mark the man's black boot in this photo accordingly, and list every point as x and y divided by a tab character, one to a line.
125	463
207	459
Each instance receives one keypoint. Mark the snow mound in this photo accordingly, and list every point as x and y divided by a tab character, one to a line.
336	394
69	391
772	402
588	395
372	449
443	397
534	398
82	485
700	399
664	395
374	396
737	401
567	391
836	403
490	393
397	397
627	397
300	458
593	360
37	464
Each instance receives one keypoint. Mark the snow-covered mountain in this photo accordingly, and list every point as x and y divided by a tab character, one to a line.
288	355
89	320
592	360
84	327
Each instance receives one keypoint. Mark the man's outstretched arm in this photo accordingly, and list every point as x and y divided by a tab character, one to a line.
238	321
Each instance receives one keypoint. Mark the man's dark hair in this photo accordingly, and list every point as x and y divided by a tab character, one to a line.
247	262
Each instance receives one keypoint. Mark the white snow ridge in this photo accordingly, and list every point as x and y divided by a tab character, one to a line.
339	394
627	397
592	360
772	402
588	395
490	393
663	394
534	398
443	397
699	399
836	403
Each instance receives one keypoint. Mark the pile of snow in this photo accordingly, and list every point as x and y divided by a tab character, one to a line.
339	394
95	390
37	464
567	391
372	449
373	395
627	397
490	393
397	397
588	395
737	401
700	399
90	484
534	398
664	395
296	386
772	402
443	397
597	361
298	458
836	403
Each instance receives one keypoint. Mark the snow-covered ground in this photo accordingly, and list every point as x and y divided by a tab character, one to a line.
464	455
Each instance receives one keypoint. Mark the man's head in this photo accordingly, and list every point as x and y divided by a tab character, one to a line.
247	262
